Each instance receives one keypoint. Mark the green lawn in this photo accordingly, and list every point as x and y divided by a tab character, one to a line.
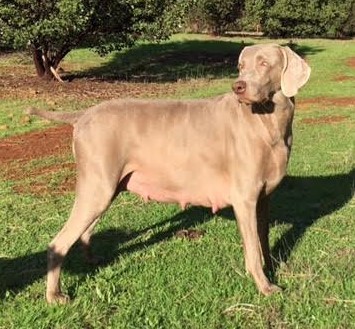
150	278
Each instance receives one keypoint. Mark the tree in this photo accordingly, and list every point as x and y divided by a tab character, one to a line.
335	15
215	16
51	29
254	14
287	18
349	26
308	18
221	13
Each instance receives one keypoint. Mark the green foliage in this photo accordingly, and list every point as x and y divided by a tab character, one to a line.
304	18
284	18
215	16
221	13
158	19
91	22
348	28
254	14
53	28
333	16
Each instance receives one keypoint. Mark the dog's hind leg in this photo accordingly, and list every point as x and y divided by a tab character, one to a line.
85	238
94	194
85	241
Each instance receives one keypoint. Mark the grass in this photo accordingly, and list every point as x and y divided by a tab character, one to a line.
151	279
12	119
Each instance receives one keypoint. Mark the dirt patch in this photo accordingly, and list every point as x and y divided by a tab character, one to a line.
40	181
346	252
17	172
20	82
190	234
30	87
325	102
324	120
34	145
351	62
17	152
342	78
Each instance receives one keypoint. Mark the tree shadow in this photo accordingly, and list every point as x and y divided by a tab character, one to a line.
302	50
169	62
175	60
299	201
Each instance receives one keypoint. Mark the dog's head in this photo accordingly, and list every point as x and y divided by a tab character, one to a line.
267	69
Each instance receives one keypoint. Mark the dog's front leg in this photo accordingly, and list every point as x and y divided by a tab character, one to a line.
245	212
262	212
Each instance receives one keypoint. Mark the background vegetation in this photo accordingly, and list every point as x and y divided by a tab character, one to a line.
51	29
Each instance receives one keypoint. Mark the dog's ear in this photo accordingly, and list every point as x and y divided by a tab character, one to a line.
295	72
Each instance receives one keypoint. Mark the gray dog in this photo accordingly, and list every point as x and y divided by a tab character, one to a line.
230	150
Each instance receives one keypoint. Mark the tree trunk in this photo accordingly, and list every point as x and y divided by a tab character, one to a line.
44	67
38	61
43	70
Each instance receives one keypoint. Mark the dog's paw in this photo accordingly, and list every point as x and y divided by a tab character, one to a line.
57	298
270	289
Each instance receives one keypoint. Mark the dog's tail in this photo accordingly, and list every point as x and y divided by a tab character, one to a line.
66	117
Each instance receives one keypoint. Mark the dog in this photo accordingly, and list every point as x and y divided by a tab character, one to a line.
230	150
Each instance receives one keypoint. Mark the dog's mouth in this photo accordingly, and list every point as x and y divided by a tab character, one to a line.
248	98
251	93
244	101
252	100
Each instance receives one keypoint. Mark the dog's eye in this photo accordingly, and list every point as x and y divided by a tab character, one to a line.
264	63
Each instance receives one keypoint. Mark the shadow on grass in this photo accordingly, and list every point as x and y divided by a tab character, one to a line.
299	201
175	60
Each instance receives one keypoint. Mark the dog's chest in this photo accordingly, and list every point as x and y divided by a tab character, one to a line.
276	132
277	165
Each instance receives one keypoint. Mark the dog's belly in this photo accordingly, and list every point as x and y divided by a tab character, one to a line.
154	187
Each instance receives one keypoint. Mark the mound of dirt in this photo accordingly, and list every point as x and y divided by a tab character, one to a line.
34	145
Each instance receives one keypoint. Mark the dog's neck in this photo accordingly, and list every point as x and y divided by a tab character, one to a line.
277	102
276	116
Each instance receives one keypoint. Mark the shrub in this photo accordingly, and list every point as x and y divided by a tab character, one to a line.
302	18
213	16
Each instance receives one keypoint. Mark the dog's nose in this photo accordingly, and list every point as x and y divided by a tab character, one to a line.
239	86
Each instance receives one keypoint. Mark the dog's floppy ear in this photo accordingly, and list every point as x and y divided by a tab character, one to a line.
295	72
